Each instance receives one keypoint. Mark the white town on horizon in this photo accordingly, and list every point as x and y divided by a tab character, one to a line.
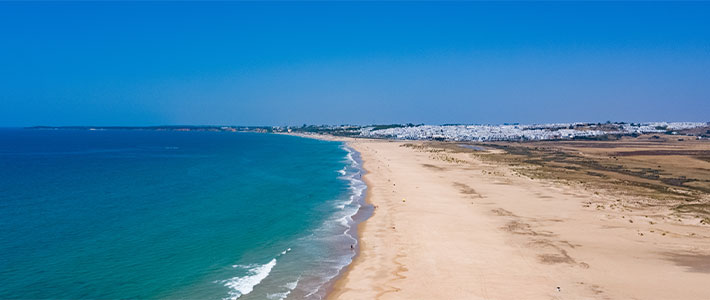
525	132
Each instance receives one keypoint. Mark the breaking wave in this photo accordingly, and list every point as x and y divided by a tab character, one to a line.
244	285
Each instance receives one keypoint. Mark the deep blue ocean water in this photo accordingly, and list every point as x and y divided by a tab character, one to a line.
161	214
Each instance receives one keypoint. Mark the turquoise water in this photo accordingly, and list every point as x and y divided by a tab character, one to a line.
150	214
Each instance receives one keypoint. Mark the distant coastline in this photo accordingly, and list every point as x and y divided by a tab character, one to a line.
163	128
450	132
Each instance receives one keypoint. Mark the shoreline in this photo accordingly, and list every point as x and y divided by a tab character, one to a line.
365	212
449	224
337	284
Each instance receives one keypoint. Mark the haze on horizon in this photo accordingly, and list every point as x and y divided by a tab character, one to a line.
290	63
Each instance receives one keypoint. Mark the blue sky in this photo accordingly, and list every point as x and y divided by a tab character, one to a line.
288	63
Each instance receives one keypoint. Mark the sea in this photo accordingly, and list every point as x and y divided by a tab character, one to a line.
138	214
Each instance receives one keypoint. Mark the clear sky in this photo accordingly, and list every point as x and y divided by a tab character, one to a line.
290	63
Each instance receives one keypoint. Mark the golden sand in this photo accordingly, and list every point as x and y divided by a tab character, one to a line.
450	225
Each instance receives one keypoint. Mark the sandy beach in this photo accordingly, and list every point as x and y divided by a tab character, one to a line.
453	226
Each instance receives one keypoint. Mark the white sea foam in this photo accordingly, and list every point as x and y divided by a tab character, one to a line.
244	285
245	266
280	296
344	221
292	285
337	231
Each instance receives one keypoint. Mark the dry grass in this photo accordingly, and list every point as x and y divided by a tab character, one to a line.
656	171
